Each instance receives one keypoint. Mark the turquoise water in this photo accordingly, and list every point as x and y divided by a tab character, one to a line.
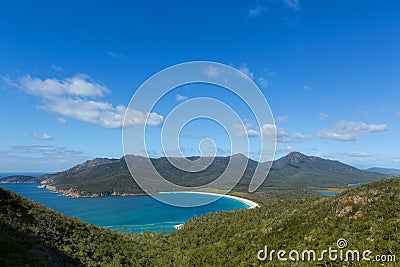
357	184
135	213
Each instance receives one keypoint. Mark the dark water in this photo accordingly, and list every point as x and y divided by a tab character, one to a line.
135	213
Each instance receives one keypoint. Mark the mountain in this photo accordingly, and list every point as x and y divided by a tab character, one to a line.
100	177
363	218
298	170
389	171
112	177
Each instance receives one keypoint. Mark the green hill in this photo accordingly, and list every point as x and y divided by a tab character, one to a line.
298	170
368	217
292	172
19	179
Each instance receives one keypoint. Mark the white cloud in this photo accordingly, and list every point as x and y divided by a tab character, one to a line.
179	97
396	160
293	4
298	138
100	113
270	130
255	12
245	69
77	98
282	118
260	80
263	82
135	118
194	136
212	72
10	82
357	154
42	136
115	55
61	120
39	151
306	87
323	116
361	127
348	131
56	68
39	158
79	85
337	136
246	129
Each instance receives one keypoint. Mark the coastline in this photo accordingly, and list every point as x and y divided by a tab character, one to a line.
77	194
74	194
251	204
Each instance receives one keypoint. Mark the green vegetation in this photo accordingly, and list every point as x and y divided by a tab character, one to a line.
19	179
293	175
368	217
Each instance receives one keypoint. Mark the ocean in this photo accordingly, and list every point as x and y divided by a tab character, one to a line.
130	213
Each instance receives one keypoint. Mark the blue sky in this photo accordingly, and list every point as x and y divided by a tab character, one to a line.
329	70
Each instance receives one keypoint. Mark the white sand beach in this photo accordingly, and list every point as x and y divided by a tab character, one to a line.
248	202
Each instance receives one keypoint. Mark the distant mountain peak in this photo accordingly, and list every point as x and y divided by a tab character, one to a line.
296	154
239	156
94	162
388	171
294	158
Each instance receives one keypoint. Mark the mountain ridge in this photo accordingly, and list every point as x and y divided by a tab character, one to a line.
389	171
103	177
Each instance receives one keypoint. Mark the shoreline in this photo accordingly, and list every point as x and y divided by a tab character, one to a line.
70	193
251	204
78	194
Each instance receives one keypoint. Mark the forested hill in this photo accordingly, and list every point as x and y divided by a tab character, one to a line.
107	177
367	217
101	177
20	179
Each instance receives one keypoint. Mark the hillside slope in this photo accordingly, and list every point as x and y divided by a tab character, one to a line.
112	177
298	170
368	217
19	179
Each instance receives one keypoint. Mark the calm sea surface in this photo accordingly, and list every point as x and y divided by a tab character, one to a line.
135	213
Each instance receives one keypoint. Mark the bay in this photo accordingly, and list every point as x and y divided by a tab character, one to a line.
130	213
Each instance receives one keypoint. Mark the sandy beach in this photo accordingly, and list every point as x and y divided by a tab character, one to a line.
248	202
